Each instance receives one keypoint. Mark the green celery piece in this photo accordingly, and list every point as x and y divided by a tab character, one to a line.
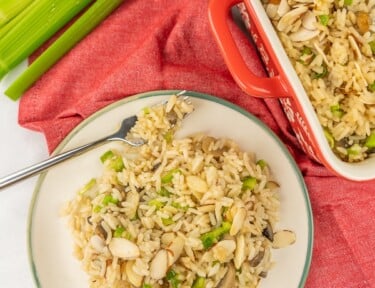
43	20
323	19
371	87
87	186
172	277
210	238
167	178
109	199
262	163
249	183
146	285
370	141
92	17
372	46
329	138
167	221
117	164
336	110
164	192
118	232
10	9
199	282
348	2
106	155
158	204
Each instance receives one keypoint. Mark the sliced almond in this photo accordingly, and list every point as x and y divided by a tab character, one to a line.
238	221
123	248
196	183
239	254
283	238
176	247
223	250
159	265
134	278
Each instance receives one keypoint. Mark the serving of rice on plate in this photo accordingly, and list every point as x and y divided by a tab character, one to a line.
331	44
195	211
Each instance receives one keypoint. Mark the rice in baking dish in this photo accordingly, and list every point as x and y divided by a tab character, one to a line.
193	212
331	44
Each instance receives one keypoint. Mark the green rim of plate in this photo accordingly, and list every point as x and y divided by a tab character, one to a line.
211	98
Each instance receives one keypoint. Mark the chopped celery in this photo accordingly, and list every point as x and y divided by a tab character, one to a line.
249	183
172	277
118	232
329	138
306	50
156	203
167	178
109	199
210	238
372	46
96	13
87	186
348	2
370	141
117	164
43	20
106	156
145	285
167	221
179	206
354	150
199	282
10	9
323	19
146	110
371	87
336	110
164	192
168	136
261	163
114	161
323	74
97	209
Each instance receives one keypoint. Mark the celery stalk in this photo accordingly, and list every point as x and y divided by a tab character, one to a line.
11	8
43	20
97	12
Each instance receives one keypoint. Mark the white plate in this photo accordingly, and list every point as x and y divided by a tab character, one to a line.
50	242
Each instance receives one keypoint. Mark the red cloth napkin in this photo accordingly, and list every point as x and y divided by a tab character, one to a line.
163	44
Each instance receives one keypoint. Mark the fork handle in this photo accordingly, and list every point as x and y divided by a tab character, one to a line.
48	163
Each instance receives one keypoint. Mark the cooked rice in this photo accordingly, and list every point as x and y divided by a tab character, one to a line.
143	204
331	45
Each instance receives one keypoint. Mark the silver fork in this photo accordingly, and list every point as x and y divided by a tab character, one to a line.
119	135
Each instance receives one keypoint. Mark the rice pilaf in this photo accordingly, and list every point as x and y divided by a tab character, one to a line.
192	212
331	44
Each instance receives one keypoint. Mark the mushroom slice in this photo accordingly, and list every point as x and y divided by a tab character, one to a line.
283	238
268	232
255	261
229	278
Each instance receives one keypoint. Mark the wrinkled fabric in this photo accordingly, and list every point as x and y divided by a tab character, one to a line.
157	45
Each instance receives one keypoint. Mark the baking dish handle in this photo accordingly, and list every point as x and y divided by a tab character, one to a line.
246	79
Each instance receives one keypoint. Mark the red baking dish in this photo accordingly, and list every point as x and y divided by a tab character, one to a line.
283	83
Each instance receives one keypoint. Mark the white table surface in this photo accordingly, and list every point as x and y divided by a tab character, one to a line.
19	147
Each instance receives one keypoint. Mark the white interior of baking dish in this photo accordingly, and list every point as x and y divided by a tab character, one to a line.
359	171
